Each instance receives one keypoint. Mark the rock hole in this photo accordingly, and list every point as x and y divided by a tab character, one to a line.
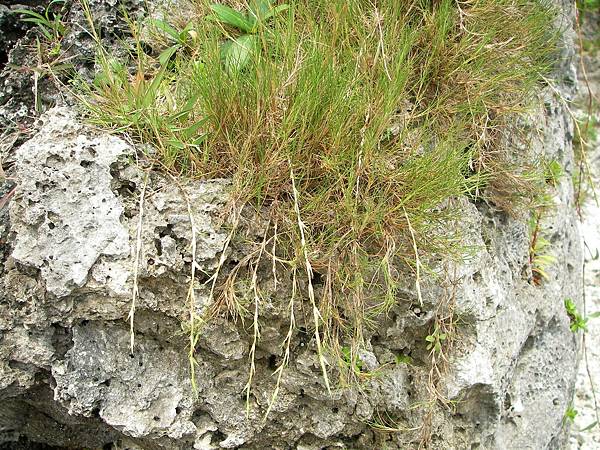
96	412
217	437
335	410
12	32
85	164
273	362
507	402
92	151
106	383
127	189
158	245
156	419
177	410
51	225
417	311
317	278
165	231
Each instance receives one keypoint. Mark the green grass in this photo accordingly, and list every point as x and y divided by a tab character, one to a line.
588	5
350	125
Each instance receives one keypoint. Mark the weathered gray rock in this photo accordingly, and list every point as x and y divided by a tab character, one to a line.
66	216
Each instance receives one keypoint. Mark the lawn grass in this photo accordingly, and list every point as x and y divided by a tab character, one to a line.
350	125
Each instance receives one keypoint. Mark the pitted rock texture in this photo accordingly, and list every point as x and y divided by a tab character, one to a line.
86	200
65	212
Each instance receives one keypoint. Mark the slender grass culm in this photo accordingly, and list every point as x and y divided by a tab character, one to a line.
348	124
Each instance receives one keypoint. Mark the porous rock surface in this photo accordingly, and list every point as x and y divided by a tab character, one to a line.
84	203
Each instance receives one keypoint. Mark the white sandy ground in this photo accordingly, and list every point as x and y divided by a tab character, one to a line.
584	397
588	378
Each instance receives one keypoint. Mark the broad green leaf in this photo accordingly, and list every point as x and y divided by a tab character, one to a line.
166	28
29	12
274	11
192	130
166	54
198	141
152	91
594	315
238	53
232	17
176	143
187	108
263	10
259	9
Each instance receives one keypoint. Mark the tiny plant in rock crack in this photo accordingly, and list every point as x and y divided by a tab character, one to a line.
539	257
570	414
435	340
404	359
353	362
50	24
553	172
578	322
238	51
49	61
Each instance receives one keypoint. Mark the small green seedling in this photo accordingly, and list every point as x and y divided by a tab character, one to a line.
435	340
553	172
404	359
50	25
237	52
578	322
570	414
540	258
352	361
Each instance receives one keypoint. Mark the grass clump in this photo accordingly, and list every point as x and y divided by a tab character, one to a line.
349	124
